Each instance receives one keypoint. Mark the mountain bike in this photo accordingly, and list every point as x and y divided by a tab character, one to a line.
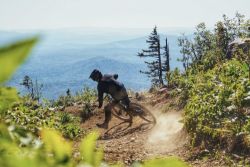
135	109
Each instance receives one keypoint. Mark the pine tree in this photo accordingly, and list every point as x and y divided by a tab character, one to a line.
28	84
34	88
166	64
153	51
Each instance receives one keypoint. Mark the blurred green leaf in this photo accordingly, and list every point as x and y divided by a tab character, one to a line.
91	156
7	97
167	162
56	146
4	133
12	56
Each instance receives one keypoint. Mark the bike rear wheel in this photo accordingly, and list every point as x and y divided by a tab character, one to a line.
142	112
119	112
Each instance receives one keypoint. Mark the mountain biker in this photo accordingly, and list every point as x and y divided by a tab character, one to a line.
108	84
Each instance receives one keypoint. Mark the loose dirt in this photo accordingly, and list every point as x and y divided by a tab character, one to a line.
127	143
136	142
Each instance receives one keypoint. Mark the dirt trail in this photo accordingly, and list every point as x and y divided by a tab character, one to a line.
137	141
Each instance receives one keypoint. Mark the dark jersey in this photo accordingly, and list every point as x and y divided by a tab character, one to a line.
108	84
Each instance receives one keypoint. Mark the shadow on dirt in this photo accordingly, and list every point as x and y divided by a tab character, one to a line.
124	128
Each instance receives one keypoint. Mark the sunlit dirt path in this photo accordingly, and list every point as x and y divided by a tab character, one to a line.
140	140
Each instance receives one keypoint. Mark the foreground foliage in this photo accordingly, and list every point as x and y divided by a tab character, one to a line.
167	162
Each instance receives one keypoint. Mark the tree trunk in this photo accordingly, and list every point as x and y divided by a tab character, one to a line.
160	67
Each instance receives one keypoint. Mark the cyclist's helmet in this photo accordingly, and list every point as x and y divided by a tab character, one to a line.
96	75
115	76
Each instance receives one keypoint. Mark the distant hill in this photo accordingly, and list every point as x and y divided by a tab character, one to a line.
65	60
75	75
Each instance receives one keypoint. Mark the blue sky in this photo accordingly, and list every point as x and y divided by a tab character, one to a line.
53	14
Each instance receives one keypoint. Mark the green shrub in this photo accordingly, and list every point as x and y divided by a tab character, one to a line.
86	96
71	130
34	119
216	107
65	117
64	101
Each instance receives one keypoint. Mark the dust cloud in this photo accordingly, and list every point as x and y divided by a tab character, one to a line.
168	133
